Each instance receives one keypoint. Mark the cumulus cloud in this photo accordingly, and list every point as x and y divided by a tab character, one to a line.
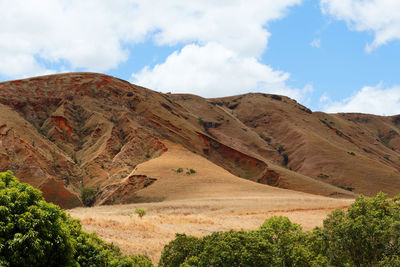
222	41
94	34
382	17
370	99
213	70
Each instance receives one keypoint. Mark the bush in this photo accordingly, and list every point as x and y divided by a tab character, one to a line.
278	242
140	212
88	196
179	250
32	231
285	159
36	233
367	235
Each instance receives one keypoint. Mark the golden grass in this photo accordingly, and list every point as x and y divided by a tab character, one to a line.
210	200
148	235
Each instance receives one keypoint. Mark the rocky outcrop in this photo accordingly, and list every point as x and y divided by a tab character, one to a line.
55	192
124	192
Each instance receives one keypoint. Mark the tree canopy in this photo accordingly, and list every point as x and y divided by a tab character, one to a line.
36	233
368	234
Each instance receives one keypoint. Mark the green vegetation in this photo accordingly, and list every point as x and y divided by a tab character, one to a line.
140	212
88	195
351	153
74	158
281	149
346	188
367	235
147	156
285	159
188	171
321	175
384	141
36	233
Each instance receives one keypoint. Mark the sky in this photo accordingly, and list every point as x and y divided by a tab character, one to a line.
330	55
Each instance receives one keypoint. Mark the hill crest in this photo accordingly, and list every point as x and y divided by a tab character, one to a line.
88	129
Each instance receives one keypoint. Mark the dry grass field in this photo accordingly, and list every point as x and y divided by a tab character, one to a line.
120	225
209	200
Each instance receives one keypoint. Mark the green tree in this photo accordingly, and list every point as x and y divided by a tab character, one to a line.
140	212
32	231
179	250
36	233
292	246
367	235
88	196
278	242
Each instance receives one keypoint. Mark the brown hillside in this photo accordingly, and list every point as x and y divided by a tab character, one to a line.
63	132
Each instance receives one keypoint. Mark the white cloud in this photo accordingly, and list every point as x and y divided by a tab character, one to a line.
324	98
373	100
382	17
223	41
92	34
316	43
213	70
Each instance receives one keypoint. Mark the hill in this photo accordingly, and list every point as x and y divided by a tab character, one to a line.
63	132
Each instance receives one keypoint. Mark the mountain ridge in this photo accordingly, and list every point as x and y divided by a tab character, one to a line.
88	129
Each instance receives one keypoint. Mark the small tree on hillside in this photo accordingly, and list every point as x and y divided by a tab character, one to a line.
140	212
88	196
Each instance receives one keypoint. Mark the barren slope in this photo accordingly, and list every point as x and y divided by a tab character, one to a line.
63	132
356	151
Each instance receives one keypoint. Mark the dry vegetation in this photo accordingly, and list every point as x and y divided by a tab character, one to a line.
212	199
119	223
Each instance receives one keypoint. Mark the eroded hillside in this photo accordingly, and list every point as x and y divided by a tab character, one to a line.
62	132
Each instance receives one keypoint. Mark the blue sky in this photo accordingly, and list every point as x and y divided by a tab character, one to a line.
331	55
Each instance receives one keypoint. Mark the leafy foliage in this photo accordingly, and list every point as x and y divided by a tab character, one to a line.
367	235
140	212
32	232
88	195
36	233
278	242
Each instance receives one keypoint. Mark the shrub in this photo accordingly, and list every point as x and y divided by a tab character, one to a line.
179	250
36	233
32	232
179	170
367	235
88	196
285	159
346	188
140	212
278	242
192	171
